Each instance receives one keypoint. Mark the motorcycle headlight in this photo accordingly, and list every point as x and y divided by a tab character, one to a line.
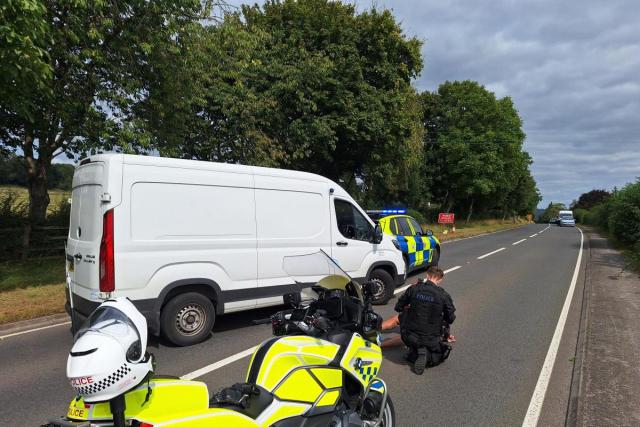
395	243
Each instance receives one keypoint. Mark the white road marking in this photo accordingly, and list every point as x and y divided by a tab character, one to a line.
219	364
491	253
397	291
534	235
518	242
535	406
33	330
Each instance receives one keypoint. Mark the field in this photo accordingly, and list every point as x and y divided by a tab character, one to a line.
22	197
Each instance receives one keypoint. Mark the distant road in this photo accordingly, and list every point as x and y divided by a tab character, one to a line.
509	289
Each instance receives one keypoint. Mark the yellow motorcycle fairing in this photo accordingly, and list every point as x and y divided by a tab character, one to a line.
277	357
168	397
362	359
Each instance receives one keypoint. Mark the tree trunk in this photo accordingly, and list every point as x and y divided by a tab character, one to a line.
37	171
470	212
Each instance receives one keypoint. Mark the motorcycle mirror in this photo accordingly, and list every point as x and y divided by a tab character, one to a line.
377	234
293	299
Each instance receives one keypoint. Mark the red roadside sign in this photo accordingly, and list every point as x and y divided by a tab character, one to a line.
446	218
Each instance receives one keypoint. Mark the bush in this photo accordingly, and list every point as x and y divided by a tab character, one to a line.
580	215
13	210
60	214
624	216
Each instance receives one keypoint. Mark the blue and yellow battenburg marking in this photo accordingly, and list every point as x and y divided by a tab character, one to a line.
368	373
418	249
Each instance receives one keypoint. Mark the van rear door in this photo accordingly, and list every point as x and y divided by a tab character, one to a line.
85	228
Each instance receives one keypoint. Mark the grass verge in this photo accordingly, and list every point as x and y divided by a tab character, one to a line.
472	229
32	302
33	272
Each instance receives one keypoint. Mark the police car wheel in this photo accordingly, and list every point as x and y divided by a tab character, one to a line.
385	284
436	257
187	319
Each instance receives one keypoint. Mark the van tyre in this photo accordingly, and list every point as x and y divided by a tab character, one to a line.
187	319
386	284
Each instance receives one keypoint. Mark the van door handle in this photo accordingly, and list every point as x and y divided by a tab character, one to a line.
78	256
342	243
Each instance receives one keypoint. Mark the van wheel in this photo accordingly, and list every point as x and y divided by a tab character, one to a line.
187	319
436	257
385	285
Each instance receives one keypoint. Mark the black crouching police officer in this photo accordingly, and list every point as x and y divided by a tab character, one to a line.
424	307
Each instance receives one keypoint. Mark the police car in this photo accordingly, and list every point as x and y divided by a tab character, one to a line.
420	248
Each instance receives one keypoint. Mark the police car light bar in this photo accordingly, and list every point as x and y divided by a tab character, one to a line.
387	211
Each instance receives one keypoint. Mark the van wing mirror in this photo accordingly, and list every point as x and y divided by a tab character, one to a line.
377	234
429	232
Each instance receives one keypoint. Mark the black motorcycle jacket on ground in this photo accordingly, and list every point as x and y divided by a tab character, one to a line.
429	305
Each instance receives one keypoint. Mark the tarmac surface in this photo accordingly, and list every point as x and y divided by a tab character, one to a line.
508	304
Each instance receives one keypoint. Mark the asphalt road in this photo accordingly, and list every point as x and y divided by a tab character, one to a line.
508	304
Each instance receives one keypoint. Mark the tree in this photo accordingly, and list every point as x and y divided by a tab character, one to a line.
308	85
98	55
590	199
473	150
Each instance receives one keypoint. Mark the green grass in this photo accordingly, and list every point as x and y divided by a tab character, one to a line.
474	228
33	272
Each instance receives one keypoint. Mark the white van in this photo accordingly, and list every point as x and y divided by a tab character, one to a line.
187	240
565	218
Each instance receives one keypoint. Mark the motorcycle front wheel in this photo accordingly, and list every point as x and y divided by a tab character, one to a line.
389	414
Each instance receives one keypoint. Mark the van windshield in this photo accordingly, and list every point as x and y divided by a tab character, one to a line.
566	216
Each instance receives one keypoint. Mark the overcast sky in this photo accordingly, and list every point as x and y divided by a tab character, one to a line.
571	67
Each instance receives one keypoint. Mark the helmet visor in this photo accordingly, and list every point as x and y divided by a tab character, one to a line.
110	321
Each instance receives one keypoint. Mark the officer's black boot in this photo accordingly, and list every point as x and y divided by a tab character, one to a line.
421	361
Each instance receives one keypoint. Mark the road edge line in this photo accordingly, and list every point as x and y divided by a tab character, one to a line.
219	364
537	399
15	334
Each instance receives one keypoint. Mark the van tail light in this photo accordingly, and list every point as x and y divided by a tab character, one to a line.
107	276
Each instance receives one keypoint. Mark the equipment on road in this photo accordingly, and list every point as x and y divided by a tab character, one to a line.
320	368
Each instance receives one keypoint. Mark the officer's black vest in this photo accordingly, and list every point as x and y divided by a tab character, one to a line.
424	316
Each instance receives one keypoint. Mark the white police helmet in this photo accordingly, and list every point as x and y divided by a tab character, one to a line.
109	356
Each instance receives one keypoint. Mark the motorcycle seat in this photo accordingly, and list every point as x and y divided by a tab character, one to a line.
249	404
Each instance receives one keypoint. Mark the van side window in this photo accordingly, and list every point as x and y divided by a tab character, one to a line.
351	223
403	227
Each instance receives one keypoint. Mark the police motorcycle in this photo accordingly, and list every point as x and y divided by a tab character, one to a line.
320	368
